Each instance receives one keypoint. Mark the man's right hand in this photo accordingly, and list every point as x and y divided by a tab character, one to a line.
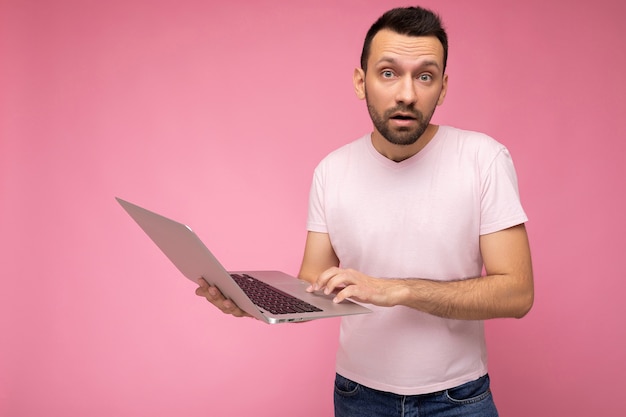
215	297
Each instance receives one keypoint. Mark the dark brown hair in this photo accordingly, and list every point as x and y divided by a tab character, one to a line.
410	21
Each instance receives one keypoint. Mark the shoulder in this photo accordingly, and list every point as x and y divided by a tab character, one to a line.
471	144
469	138
346	153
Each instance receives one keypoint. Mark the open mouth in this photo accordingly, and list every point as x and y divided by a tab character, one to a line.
403	115
403	118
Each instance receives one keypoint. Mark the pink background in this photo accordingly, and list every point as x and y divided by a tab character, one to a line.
215	113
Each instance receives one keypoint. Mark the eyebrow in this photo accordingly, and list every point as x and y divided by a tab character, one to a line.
426	63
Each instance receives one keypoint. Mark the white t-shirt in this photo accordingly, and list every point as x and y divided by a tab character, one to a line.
419	218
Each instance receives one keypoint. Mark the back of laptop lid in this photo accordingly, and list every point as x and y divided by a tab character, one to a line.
187	252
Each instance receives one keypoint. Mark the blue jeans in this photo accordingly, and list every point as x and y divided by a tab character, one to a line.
470	399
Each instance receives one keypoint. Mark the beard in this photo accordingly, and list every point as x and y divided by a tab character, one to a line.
402	135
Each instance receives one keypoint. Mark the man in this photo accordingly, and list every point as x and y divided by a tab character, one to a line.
404	219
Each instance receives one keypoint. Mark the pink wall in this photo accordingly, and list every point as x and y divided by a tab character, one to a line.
196	109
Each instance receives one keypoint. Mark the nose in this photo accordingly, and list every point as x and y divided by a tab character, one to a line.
406	93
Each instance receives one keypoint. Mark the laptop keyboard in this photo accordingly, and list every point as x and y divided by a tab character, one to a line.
270	298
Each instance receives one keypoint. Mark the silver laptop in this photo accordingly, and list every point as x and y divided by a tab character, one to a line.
270	296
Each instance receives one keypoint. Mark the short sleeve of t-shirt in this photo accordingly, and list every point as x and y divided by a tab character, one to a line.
500	204
316	221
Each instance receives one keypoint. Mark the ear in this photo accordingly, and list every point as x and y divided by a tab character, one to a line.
444	90
358	78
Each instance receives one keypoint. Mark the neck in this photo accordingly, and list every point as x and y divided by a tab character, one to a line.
399	153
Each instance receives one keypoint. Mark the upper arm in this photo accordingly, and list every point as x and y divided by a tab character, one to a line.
506	253
319	255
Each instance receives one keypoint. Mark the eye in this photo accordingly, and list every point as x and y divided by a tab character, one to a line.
387	74
425	77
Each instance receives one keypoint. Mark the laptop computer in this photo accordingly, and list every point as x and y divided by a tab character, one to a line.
270	296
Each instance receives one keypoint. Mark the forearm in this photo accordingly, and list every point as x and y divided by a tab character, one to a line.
479	298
